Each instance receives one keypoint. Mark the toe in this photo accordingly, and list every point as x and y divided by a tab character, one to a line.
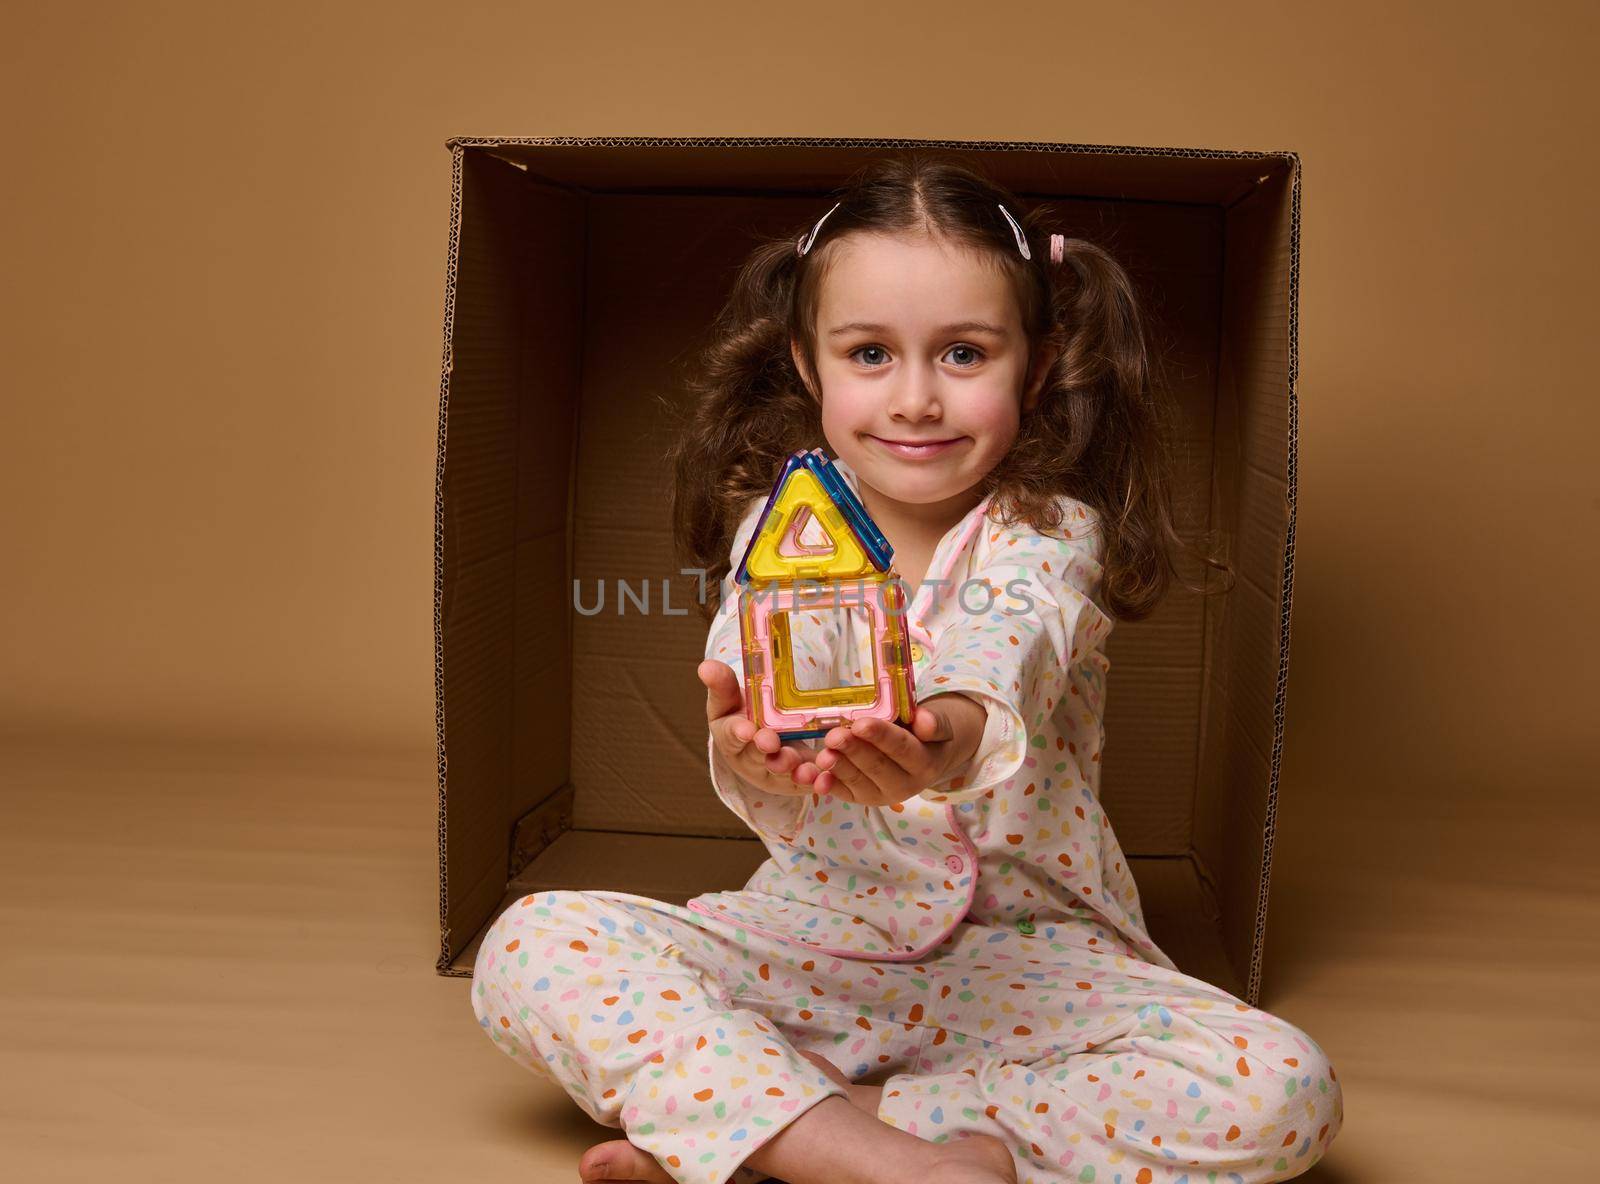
620	1160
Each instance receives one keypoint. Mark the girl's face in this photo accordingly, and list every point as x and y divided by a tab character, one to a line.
922	362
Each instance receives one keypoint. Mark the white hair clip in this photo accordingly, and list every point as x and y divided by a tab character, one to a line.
1058	247
808	240
1022	243
804	245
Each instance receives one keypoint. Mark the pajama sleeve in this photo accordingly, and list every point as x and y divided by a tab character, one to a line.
1014	658
774	818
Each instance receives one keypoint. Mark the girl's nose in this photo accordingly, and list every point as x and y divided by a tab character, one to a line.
916	396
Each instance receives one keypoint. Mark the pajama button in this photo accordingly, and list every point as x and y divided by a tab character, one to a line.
1024	926
953	862
916	651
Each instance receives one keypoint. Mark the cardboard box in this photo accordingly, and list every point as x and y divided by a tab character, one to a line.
581	275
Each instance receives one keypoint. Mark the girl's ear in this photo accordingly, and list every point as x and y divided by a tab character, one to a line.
1044	357
800	367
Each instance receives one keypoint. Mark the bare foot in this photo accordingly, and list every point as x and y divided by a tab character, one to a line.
975	1159
972	1159
863	1097
620	1160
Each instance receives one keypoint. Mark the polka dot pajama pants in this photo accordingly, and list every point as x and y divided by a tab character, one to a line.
1092	1066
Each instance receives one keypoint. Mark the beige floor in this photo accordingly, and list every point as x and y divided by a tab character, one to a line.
219	966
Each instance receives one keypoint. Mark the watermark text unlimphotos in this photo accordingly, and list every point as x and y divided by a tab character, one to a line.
975	597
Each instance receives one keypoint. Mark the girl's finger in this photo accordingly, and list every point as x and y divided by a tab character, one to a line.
792	755
935	724
892	741
874	764
784	761
805	773
848	781
729	738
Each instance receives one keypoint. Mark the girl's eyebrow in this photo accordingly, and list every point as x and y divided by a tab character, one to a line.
958	327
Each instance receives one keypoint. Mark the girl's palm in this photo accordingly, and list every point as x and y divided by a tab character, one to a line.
877	763
755	753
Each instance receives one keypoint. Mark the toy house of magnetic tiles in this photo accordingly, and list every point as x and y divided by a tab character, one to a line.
851	568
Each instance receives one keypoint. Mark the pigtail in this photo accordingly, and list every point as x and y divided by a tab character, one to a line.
748	411
1101	432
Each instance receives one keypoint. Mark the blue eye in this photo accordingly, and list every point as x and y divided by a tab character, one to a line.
970	349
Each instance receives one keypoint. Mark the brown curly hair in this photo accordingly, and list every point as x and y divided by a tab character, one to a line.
1098	433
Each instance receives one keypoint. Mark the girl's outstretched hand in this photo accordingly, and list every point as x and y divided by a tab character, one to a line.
878	763
755	753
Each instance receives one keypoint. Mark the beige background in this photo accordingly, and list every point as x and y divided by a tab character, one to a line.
224	239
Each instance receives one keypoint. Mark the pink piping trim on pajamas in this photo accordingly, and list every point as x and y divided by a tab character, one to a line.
914	618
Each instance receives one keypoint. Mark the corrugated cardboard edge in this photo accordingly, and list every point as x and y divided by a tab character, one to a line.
456	144
446	366
1286	598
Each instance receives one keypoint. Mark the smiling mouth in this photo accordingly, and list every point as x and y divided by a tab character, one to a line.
914	449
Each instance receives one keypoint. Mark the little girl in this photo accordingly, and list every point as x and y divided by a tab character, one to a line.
942	973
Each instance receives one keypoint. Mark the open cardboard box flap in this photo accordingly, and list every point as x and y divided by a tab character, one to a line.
582	274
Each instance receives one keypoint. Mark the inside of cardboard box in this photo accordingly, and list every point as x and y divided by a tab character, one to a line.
572	742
